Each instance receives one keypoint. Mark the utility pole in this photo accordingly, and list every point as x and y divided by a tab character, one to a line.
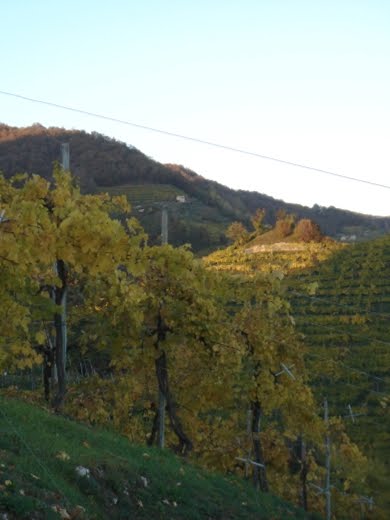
162	402
164	226
327	461
249	435
65	157
65	164
59	296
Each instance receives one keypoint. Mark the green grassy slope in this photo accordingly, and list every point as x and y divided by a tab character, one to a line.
39	454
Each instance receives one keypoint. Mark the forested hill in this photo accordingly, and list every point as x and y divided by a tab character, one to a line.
102	162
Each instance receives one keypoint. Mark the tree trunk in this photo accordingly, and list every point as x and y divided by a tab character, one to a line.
155	428
60	335
185	444
162	404
49	369
165	398
162	380
303	474
48	360
259	473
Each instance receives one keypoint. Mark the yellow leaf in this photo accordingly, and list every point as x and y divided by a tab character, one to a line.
62	455
40	337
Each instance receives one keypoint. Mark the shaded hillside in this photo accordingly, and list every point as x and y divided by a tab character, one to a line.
191	222
102	162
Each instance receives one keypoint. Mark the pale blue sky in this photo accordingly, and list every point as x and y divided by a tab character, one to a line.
306	81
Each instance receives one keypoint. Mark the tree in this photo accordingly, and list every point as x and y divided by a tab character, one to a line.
272	346
308	231
237	232
57	226
257	220
181	317
285	223
21	249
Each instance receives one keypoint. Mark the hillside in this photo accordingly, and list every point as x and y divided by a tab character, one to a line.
102	163
173	354
345	323
269	255
53	468
340	298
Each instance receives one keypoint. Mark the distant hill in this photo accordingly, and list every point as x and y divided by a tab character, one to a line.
103	163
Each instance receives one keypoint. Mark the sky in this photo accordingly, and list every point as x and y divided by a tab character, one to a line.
302	81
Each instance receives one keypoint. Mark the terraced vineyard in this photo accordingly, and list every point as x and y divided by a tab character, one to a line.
349	312
340	298
346	328
146	193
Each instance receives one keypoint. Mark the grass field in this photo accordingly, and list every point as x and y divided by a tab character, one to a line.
40	453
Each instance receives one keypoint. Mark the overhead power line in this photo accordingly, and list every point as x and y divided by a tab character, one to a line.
195	140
